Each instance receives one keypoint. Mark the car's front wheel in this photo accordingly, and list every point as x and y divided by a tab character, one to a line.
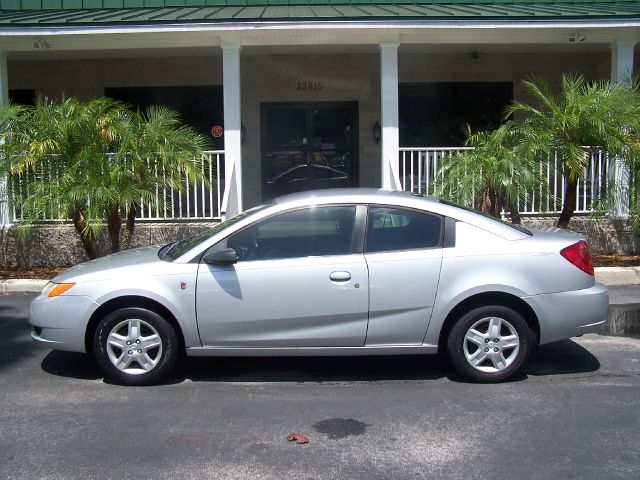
490	343
135	346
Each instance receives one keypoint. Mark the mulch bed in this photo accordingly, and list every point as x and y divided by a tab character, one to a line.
50	272
30	273
616	260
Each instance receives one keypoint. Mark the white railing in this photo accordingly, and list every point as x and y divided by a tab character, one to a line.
417	172
195	201
419	166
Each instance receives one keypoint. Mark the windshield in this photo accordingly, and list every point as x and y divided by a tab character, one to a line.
174	250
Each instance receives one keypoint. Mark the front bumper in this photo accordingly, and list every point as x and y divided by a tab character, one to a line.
60	322
570	314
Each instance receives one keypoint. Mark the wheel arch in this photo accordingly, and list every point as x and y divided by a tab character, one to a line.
489	298
126	302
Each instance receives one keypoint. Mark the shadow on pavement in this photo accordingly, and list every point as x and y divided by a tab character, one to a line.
311	369
561	358
15	332
71	365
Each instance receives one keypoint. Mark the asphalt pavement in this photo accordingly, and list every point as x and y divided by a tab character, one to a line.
574	414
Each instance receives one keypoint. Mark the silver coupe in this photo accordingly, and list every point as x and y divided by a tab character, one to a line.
330	272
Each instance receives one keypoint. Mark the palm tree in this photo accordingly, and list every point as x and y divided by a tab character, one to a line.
493	175
582	118
49	153
155	151
99	161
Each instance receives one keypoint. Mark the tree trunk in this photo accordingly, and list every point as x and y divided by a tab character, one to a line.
128	232
514	214
489	203
569	206
114	225
80	224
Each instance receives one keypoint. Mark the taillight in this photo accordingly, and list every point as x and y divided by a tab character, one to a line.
579	255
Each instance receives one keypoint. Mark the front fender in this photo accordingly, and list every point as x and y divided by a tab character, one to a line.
165	290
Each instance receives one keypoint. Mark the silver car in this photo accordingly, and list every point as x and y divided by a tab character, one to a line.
331	272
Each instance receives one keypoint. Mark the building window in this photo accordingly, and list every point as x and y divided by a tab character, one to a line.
199	106
436	114
23	96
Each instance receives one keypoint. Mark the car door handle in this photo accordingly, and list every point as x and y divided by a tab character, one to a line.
340	276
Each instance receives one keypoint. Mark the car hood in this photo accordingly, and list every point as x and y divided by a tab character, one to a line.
144	259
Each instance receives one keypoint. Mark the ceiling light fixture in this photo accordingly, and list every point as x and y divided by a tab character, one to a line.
41	45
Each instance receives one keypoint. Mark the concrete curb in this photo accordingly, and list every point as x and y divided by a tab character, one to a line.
22	285
618	275
604	275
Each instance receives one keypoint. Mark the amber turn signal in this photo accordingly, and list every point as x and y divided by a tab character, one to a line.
59	289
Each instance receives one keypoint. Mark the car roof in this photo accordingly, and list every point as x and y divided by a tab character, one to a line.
359	195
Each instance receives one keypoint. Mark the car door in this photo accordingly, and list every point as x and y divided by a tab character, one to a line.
296	284
403	251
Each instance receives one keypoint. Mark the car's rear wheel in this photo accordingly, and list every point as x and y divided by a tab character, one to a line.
135	346
489	344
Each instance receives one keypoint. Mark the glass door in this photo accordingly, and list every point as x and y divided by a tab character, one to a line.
307	146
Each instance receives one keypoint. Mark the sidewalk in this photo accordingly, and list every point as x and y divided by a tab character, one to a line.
606	275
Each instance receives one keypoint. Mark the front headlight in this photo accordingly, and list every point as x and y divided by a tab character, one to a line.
54	289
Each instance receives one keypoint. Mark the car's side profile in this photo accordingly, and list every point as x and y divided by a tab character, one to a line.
332	272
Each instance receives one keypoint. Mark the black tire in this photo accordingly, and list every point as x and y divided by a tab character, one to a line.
494	361
138	330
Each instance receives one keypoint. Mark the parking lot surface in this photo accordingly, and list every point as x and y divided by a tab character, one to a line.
573	415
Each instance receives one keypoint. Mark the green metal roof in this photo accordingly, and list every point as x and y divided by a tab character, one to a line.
22	13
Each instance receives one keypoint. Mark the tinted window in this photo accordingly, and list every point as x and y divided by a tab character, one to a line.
437	114
22	96
298	173
173	250
401	229
323	172
199	106
308	232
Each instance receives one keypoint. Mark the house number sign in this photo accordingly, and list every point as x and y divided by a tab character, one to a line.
310	86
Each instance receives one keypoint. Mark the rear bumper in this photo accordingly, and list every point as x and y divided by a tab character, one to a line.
60	322
570	314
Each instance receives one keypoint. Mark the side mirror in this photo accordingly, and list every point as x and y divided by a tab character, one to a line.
226	256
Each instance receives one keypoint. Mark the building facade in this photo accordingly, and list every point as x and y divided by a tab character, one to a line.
305	93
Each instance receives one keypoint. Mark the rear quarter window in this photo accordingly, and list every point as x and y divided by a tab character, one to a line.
390	229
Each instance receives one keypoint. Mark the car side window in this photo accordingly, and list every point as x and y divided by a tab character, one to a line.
401	229
314	231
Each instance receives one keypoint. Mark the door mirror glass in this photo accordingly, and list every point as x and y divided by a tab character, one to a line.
226	256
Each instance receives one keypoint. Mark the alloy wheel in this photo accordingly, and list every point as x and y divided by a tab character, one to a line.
134	346
491	344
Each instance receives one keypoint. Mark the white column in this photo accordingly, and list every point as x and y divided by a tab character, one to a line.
5	221
4	85
622	71
232	130
389	120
